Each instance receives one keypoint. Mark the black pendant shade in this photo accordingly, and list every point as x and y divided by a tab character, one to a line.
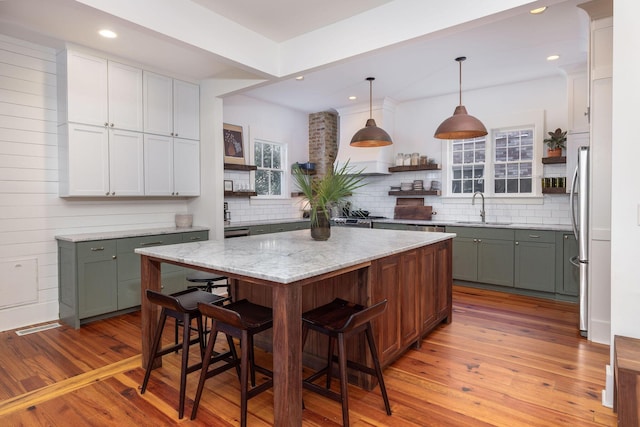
461	125
371	135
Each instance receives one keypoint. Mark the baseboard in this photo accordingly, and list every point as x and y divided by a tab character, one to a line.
600	331
27	315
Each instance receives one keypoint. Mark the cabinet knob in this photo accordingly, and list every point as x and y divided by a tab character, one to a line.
106	124
106	194
475	240
113	257
111	125
176	134
517	243
479	240
566	237
113	193
177	194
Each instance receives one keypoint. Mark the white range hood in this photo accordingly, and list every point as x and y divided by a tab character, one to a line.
371	160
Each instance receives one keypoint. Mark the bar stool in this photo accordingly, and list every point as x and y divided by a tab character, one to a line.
208	282
339	320
183	307
242	320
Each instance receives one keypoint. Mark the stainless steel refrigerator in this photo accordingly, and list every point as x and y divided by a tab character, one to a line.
579	207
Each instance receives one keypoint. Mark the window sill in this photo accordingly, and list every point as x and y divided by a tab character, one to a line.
496	200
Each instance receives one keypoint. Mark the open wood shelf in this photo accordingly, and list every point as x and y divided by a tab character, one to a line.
415	193
554	190
240	193
234	167
432	167
553	160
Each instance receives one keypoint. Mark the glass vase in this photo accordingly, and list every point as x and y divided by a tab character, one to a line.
321	227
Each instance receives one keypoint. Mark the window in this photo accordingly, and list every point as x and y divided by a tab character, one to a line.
270	158
502	164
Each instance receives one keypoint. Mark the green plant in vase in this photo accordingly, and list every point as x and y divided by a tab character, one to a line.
322	193
556	142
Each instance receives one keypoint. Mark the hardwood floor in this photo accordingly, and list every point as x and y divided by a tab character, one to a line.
505	360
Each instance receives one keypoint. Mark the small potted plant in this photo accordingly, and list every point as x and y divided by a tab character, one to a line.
556	142
325	192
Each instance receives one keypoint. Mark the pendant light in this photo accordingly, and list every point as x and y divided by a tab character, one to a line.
461	125
371	135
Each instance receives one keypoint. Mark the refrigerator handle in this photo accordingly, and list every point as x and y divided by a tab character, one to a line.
574	260
572	195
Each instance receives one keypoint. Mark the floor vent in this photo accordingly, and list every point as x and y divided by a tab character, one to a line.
38	329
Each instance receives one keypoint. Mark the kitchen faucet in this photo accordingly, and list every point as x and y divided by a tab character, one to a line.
473	202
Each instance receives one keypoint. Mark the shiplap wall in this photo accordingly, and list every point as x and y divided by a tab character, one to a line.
31	213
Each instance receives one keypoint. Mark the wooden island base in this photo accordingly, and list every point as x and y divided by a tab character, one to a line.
417	285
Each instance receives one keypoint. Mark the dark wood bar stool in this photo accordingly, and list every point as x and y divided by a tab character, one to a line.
242	320
183	307
340	320
208	282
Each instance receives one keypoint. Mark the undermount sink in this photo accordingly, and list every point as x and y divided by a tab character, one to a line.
483	223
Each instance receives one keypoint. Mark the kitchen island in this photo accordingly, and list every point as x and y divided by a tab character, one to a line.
292	273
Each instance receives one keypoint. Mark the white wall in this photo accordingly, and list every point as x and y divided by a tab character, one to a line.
625	191
260	120
415	122
31	213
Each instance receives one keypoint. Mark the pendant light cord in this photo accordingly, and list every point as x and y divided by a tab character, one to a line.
371	79
460	59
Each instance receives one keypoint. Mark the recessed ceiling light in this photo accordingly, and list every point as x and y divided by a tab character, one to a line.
353	98
107	34
553	57
300	78
538	10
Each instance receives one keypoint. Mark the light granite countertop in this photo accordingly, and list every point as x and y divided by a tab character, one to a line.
454	223
291	256
104	235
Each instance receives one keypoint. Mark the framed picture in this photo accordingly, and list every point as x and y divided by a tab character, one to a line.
233	144
228	185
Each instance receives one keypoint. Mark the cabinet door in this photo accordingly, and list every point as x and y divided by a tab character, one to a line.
158	165
427	293
387	285
186	110
158	103
443	281
125	97
495	262
126	163
534	266
410	277
186	167
259	229
465	259
86	89
97	278
86	161
571	273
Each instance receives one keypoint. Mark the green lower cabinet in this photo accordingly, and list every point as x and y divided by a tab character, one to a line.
290	226
97	272
483	255
391	226
567	274
535	258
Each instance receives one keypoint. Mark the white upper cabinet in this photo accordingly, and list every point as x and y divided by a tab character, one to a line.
171	166
98	92
100	161
171	107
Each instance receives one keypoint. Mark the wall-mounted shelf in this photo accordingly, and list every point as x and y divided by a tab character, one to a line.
234	167
415	193
554	190
240	193
432	167
553	160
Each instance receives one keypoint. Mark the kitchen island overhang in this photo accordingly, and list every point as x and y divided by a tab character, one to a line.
411	270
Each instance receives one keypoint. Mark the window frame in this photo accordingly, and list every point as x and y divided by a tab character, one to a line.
284	150
503	123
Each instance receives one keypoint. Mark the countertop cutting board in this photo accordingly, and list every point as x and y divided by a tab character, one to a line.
412	212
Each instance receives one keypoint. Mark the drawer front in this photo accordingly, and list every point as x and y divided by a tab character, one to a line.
130	243
195	236
96	249
542	236
482	232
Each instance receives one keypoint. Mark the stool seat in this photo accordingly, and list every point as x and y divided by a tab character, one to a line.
204	277
242	320
339	320
183	307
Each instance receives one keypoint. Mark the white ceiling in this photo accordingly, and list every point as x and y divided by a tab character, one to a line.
507	47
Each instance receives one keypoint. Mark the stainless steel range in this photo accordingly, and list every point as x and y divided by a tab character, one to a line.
355	221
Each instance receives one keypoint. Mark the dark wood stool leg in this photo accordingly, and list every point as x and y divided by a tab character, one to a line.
376	365
154	350
344	389
186	333
244	374
205	368
330	351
